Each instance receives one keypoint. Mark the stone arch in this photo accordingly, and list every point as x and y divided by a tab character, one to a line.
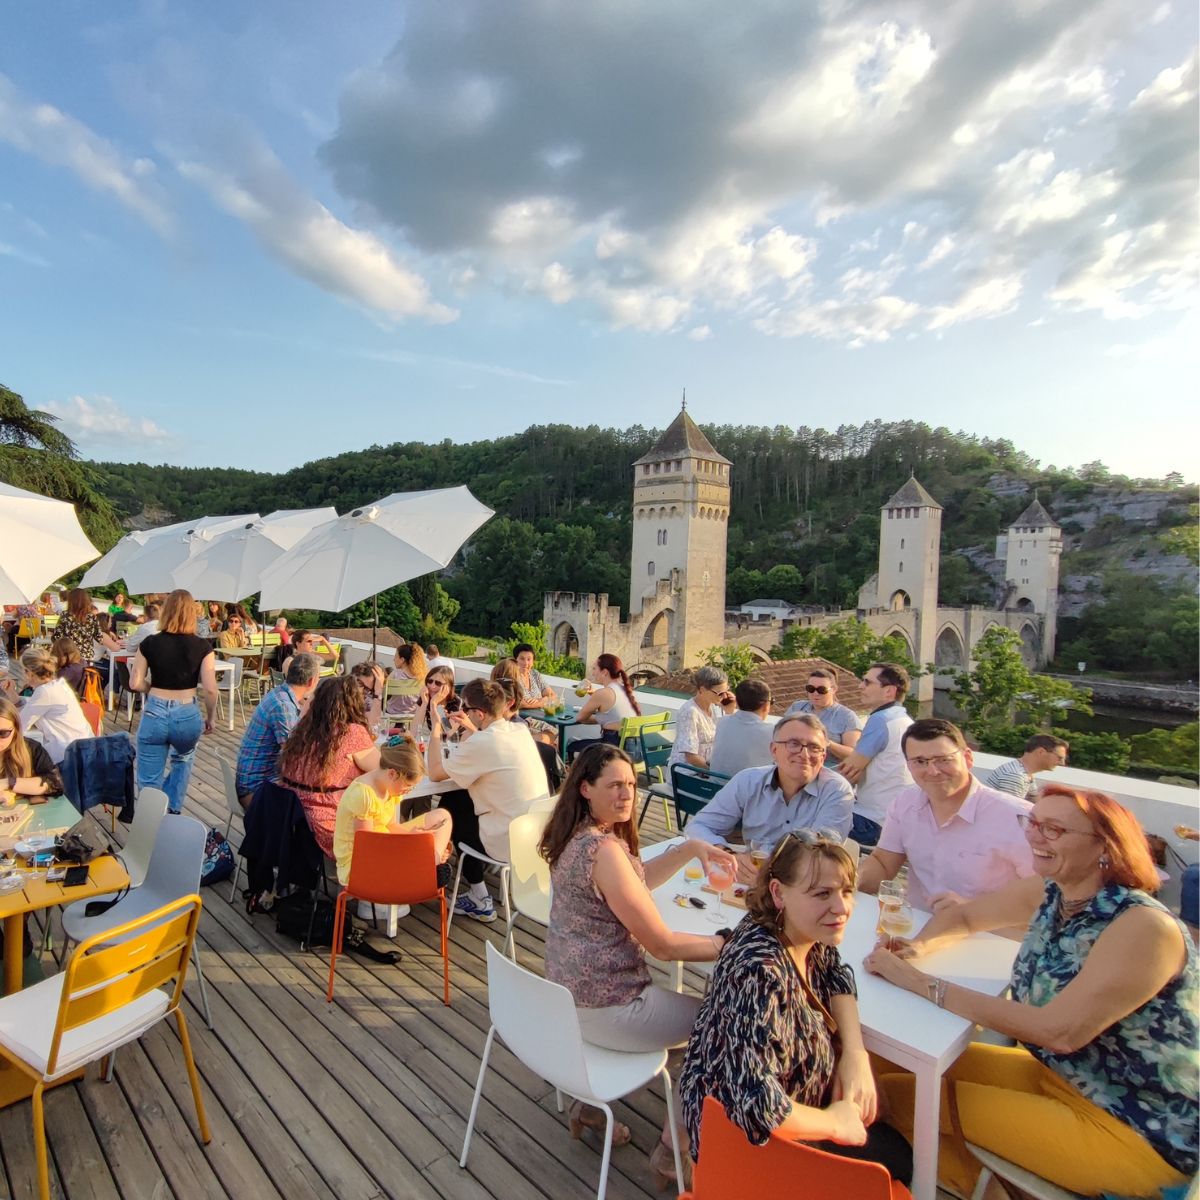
948	650
564	640
900	632
1031	643
643	672
658	631
900	600
760	655
1024	605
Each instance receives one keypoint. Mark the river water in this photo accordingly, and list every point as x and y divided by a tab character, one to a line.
1108	718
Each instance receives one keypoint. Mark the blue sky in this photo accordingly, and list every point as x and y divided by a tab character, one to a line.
253	235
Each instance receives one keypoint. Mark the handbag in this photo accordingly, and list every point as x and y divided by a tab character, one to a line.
70	847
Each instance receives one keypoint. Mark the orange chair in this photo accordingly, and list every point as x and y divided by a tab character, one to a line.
94	715
391	868
782	1169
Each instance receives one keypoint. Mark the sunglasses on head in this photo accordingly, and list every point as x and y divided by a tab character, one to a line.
820	689
806	837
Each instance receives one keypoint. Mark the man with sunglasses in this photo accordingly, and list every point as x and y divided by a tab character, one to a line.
842	724
797	792
959	838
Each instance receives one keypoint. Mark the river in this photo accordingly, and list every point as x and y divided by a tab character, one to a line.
1108	718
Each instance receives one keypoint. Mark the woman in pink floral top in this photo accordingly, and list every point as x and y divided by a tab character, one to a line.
603	921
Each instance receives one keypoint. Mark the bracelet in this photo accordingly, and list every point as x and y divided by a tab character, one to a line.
936	991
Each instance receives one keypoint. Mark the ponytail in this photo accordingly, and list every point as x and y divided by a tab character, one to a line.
615	669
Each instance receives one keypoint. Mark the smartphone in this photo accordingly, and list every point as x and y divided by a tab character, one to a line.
453	704
76	876
44	858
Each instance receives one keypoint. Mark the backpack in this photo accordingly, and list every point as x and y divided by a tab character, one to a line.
293	912
218	858
92	693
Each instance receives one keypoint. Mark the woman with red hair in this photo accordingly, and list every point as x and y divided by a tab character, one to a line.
611	701
1101	1094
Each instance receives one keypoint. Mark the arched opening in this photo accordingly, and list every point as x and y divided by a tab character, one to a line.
900	600
658	632
642	672
1031	645
896	631
564	640
948	649
1024	605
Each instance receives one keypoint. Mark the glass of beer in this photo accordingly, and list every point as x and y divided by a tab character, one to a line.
760	853
897	921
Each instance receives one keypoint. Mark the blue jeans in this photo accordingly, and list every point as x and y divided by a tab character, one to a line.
1189	895
169	729
865	831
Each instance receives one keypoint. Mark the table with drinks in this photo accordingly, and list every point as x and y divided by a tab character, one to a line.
905	1029
563	712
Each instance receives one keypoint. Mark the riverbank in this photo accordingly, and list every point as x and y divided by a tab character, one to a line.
1183	698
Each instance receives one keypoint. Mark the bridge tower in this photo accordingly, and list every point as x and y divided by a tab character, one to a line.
681	498
1031	556
910	530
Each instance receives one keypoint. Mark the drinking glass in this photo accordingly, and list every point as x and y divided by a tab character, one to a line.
897	922
889	895
760	852
720	879
693	870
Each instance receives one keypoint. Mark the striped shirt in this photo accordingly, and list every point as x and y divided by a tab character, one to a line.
1010	777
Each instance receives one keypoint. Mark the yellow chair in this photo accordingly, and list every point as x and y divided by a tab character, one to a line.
112	991
399	686
631	737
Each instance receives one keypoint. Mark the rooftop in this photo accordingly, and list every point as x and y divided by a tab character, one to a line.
1035	515
682	437
912	493
785	679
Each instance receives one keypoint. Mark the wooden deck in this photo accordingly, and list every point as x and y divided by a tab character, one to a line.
361	1099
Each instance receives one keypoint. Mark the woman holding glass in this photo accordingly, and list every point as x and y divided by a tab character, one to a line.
603	922
1100	1097
26	769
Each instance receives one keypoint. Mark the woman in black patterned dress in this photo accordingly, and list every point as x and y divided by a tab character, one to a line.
777	1041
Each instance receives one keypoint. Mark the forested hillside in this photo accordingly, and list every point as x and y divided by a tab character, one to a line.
804	523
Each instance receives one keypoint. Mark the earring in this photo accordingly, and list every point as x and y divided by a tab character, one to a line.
1105	862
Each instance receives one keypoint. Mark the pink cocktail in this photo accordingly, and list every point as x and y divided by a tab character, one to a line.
720	879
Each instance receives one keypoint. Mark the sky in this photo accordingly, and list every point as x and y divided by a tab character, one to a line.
257	234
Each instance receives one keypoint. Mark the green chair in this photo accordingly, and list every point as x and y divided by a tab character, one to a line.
656	750
692	788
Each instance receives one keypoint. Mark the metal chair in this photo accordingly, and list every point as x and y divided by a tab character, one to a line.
1029	1183
538	1022
692	788
656	753
112	991
229	779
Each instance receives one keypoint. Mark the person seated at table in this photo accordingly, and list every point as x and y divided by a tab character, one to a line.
777	1040
243	614
305	641
842	724
370	803
547	749
149	627
70	664
271	723
959	838
696	720
119	610
534	689
435	658
603	922
1100	1096
169	666
26	768
743	739
330	747
234	635
285	634
81	624
372	677
612	700
53	709
216	617
52	601
501	770
13	684
797	792
409	664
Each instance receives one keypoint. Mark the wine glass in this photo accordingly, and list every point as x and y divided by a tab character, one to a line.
897	921
890	894
720	879
760	852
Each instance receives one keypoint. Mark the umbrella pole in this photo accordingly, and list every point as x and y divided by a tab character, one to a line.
374	624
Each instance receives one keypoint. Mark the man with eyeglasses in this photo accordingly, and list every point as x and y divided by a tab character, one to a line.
841	723
959	838
876	765
797	792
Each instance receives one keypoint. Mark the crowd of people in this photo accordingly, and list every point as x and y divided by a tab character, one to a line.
1097	1095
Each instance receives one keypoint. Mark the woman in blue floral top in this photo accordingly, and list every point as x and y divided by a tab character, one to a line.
777	1040
1101	1097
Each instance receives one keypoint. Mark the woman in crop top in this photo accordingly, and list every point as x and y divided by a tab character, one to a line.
170	665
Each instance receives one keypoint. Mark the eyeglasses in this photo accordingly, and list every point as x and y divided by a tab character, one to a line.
822	690
1048	829
943	762
806	837
795	746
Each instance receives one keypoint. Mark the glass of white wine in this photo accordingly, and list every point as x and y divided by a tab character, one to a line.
888	895
897	922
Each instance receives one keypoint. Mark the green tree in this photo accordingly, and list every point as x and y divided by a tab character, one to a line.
537	635
736	661
1000	686
397	612
424	591
852	644
784	582
1185	539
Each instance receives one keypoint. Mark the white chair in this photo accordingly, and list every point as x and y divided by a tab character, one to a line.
1029	1183
229	779
538	1022
235	688
852	848
175	868
530	874
102	1001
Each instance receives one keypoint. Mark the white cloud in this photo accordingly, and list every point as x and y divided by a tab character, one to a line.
854	322
63	141
99	420
25	256
989	297
699	333
296	229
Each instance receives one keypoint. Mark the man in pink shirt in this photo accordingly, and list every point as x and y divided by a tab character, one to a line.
959	838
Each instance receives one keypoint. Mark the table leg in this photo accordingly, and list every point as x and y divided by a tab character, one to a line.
232	676
14	956
112	670
925	1132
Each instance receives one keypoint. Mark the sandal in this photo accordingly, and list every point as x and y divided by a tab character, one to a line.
662	1168
582	1116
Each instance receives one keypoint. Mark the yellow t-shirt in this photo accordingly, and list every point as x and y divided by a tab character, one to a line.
359	802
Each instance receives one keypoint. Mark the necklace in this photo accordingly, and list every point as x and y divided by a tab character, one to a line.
1071	908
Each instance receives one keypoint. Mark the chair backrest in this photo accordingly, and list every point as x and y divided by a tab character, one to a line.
694	788
530	871
116	967
229	779
148	813
782	1167
393	868
278	678
399	686
631	728
178	858
538	1022
656	751
94	715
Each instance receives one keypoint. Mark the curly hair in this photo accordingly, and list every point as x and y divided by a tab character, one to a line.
412	658
335	706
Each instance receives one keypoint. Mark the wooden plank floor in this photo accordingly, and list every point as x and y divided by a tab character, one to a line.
362	1099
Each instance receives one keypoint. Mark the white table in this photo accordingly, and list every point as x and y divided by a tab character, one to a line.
224	668
905	1029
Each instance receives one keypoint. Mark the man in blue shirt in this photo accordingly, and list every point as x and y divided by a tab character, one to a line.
798	792
274	718
744	738
841	723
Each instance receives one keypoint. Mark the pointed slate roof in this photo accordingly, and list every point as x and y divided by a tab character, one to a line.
1035	515
681	438
912	493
